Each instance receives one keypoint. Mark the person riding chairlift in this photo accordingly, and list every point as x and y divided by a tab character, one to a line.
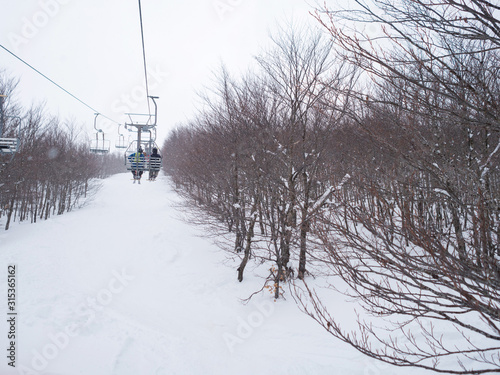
155	162
137	160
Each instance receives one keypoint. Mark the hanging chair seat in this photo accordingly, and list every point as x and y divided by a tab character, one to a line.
100	146
134	163
9	145
121	144
154	164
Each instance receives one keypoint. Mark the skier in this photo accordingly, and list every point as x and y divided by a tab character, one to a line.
137	160
154	164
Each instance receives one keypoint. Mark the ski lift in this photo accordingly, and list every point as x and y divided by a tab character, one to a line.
137	155
99	146
120	142
133	161
154	164
8	146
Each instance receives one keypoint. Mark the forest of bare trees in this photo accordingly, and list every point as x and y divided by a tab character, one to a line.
258	159
372	148
53	170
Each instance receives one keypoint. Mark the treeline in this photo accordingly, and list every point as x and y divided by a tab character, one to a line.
53	170
261	156
376	154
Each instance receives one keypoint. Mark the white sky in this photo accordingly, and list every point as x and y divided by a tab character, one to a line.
93	49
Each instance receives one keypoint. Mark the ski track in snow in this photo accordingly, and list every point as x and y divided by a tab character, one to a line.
143	293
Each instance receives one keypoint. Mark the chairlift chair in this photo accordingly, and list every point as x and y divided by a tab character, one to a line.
133	163
99	146
9	146
120	142
154	164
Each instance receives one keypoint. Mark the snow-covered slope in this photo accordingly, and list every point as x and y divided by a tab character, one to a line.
123	286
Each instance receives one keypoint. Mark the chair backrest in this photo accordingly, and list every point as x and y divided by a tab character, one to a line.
9	145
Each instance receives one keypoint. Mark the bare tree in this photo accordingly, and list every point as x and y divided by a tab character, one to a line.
414	233
313	89
52	171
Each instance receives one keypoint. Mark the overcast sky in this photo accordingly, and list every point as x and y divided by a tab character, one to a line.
93	49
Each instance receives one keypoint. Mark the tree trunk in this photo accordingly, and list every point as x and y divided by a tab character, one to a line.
246	256
304	228
11	208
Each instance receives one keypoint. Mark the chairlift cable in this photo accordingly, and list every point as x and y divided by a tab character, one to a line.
50	80
144	59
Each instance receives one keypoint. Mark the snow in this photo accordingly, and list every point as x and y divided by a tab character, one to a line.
125	286
441	191
485	169
327	193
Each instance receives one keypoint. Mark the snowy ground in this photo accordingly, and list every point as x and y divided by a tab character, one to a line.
123	286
